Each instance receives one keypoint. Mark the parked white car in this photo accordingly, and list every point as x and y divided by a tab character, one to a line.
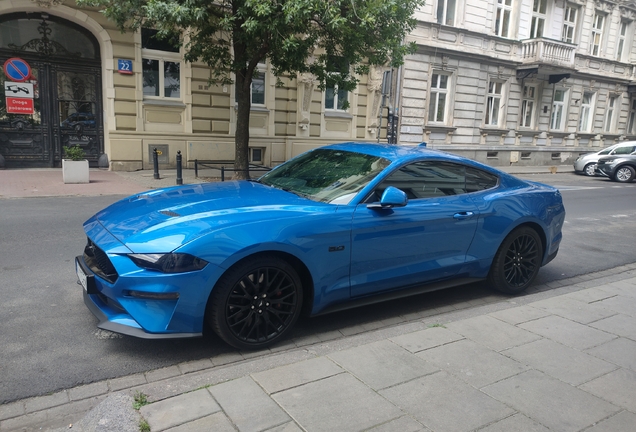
586	164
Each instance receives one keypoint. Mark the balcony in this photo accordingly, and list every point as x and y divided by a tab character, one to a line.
547	52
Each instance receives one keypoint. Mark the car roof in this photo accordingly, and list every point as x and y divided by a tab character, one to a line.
395	152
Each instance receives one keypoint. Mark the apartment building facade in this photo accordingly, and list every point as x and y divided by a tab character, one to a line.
520	81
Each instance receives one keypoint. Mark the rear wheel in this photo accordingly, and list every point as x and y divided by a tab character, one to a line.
624	174
517	261
256	303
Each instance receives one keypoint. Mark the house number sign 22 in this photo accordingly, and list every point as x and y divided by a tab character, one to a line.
124	66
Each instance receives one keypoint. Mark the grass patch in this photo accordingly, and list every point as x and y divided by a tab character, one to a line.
437	325
144	426
140	400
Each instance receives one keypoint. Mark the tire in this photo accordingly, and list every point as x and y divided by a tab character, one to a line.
255	303
589	169
624	174
517	261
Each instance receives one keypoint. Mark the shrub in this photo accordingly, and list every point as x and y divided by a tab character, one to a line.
73	152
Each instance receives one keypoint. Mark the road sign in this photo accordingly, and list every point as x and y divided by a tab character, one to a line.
17	69
18	89
124	66
19	106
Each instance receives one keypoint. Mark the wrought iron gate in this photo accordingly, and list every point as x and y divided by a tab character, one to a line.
67	97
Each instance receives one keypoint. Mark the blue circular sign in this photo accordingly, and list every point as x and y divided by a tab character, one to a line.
17	70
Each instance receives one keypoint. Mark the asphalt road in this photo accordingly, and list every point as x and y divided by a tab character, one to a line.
48	337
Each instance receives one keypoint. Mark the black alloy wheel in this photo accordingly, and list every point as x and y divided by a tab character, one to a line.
517	261
256	303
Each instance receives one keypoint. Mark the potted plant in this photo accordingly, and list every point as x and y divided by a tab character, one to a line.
74	166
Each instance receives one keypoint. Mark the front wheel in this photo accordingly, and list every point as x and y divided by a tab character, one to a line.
624	174
517	261
589	169
256	303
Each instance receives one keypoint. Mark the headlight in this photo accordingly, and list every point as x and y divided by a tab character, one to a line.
168	263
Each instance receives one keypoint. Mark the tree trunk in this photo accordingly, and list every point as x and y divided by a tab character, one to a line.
242	135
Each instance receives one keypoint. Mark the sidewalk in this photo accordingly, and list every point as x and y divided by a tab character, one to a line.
562	358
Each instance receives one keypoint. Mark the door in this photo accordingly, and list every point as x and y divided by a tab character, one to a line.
65	75
424	241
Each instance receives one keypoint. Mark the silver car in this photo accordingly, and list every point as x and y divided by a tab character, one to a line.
586	164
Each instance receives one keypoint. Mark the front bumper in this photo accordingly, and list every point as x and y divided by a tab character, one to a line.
139	317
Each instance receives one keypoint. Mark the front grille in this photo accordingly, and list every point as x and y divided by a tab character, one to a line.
99	262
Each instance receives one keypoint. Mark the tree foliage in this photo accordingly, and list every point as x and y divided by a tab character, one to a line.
296	36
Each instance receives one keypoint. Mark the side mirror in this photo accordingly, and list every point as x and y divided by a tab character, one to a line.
391	197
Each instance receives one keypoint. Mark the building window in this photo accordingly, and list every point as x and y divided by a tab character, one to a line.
538	18
609	114
336	98
528	104
493	103
597	34
446	12
569	24
161	65
631	127
622	40
558	109
587	109
502	20
438	98
258	88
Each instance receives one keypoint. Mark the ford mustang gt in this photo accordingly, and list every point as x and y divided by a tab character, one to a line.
335	227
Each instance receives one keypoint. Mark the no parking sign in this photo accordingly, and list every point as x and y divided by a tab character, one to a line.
17	70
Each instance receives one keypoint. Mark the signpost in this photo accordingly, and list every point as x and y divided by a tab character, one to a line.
18	93
19	106
17	70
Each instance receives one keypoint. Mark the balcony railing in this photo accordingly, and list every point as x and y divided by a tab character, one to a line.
548	52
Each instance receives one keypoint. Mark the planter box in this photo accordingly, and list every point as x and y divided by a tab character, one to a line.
75	171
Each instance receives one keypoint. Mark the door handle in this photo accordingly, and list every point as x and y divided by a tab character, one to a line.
463	215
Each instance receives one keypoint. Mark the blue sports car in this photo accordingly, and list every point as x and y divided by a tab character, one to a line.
335	227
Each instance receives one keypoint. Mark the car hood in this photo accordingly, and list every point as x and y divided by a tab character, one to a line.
162	220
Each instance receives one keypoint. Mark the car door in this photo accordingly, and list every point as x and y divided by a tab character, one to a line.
423	241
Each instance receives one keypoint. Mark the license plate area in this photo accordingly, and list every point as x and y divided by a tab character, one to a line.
84	277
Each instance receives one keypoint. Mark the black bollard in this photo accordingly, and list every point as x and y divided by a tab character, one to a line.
179	171
222	173
155	163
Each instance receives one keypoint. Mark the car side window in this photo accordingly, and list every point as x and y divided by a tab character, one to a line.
478	180
427	179
624	150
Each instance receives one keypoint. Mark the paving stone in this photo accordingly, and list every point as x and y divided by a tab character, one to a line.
519	314
43	402
622	422
432	399
287	427
618	387
117	384
402	424
284	377
623	288
619	351
382	364
248	406
195	366
559	361
573	309
590	295
551	402
472	362
567	332
338	403
217	422
621	304
425	339
492	332
162	374
86	391
515	423
12	409
178	410
620	325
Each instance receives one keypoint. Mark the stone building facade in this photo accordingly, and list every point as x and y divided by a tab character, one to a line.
521	81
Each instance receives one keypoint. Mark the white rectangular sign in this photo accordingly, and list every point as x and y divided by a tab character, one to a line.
18	89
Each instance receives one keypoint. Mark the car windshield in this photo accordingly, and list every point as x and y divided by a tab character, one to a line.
326	175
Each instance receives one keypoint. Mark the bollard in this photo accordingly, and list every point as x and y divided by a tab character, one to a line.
179	171
155	162
222	173
196	168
